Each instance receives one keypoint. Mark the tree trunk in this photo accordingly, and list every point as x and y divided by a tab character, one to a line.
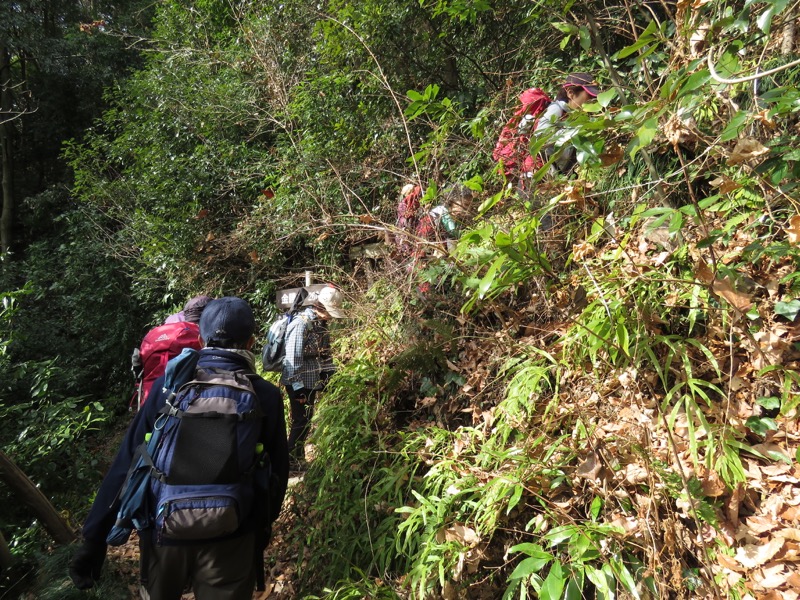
451	73
5	555
55	525
7	214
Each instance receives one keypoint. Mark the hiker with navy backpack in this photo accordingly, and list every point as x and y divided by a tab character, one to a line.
215	472
308	364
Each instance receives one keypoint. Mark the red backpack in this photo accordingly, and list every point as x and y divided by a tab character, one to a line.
512	146
161	344
408	214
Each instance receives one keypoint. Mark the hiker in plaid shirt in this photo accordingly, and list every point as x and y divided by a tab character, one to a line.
308	364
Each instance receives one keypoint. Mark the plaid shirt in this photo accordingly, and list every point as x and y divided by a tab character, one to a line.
308	352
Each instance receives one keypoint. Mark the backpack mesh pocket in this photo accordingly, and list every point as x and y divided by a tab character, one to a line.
205	450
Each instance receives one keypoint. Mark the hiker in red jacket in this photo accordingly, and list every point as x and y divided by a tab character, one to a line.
537	115
512	148
577	90
428	230
408	215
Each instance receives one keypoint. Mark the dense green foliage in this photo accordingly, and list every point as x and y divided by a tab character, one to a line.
68	317
457	454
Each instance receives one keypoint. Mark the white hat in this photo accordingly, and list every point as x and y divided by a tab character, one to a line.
331	298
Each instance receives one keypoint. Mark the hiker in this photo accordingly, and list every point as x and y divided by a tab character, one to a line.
538	115
222	567
408	215
191	311
164	342
439	228
577	89
442	223
308	364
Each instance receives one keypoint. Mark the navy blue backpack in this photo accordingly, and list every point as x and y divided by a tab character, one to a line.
194	478
203	482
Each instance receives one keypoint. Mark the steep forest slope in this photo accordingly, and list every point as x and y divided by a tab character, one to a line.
596	397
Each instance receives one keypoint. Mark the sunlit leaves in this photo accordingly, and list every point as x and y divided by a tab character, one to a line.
644	136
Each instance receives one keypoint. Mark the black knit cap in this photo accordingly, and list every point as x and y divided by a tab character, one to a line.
227	320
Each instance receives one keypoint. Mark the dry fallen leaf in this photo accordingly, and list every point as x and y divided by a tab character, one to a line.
458	533
728	562
794	580
612	155
789	533
426	402
746	149
574	194
753	555
677	131
734	502
771	449
713	486
635	474
764	118
739	300
772	346
452	366
791	514
760	524
793	231
582	250
725	184
590	467
703	272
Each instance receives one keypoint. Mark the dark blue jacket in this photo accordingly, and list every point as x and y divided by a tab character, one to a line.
103	513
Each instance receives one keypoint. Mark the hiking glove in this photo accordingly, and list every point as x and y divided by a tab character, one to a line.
86	564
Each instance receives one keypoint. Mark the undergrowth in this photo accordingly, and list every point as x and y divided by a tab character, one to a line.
626	361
